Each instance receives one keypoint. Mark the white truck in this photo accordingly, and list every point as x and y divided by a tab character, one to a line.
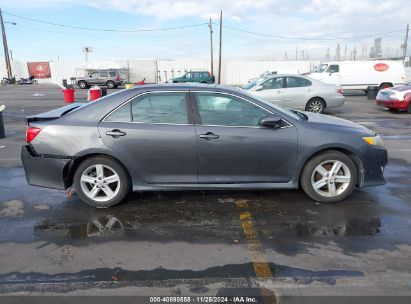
358	75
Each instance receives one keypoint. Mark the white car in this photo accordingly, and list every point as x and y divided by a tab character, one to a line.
297	92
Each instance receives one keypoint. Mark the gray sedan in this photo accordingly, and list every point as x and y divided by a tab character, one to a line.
182	137
297	92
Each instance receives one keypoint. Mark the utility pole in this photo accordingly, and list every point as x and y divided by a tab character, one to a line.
219	51
211	48
355	51
6	48
296	53
345	53
406	42
337	53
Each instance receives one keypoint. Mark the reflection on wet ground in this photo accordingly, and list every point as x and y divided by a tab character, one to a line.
287	223
199	216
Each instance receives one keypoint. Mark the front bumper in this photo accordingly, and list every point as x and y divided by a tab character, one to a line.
373	162
45	170
393	104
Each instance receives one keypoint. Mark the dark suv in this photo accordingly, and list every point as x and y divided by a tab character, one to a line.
195	76
110	78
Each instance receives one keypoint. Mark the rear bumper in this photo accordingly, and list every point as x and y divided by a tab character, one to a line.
373	162
335	101
45	170
393	104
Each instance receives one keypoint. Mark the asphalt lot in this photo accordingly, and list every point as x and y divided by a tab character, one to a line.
204	243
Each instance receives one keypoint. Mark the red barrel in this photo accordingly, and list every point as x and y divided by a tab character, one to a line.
68	95
94	93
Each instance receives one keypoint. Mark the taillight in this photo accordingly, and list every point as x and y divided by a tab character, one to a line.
31	133
118	78
340	91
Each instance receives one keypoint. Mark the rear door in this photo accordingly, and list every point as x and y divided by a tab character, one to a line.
155	137
233	148
297	92
103	76
272	90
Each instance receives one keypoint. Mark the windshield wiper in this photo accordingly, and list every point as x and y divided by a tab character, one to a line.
299	114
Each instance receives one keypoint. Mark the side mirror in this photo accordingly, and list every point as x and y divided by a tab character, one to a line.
271	121
258	88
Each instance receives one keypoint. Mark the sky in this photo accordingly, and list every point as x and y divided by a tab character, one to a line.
261	29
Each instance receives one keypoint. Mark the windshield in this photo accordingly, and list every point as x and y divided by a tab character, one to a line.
321	68
253	83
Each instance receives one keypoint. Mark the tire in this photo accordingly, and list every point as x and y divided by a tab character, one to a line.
315	105
82	84
93	190
110	84
322	192
409	107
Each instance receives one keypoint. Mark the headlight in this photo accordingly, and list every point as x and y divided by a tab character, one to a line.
374	141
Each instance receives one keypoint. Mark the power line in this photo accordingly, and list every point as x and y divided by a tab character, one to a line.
105	30
311	39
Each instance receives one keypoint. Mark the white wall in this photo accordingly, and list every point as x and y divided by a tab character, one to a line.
233	72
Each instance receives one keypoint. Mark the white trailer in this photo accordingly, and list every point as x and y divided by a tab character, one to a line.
358	75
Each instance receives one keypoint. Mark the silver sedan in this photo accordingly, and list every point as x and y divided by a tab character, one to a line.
297	92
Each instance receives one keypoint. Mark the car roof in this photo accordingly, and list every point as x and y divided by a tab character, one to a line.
183	86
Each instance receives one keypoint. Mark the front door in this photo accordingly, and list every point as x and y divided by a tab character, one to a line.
153	135
272	90
233	148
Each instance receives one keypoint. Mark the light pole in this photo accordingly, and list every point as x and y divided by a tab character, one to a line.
6	49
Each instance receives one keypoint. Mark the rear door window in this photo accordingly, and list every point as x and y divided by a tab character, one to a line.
165	108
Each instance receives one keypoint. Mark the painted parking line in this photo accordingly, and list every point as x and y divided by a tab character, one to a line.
258	254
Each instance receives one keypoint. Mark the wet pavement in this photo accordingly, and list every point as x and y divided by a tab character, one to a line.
205	242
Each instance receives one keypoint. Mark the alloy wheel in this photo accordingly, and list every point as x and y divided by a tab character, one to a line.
331	178
100	183
315	106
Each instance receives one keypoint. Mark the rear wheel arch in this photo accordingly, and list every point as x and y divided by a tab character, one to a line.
71	168
351	154
384	85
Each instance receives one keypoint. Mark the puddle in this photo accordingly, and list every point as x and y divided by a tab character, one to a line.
13	208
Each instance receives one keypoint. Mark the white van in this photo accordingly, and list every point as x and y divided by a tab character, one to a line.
358	75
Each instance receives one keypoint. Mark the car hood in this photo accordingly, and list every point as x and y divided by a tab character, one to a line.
330	121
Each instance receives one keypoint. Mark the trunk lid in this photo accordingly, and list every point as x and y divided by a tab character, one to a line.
54	114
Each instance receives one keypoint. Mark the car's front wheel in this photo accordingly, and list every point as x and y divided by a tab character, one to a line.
315	105
329	177
101	182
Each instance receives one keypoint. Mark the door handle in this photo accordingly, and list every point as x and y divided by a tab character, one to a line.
209	136
115	133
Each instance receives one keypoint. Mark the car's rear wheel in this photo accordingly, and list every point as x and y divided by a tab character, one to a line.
329	177
101	182
315	105
110	84
82	84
